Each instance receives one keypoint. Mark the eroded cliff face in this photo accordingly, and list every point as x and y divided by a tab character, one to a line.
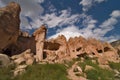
14	41
78	47
9	25
23	43
56	50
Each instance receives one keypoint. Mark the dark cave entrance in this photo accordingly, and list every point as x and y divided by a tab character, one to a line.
7	52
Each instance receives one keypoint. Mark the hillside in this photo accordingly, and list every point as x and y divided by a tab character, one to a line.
25	57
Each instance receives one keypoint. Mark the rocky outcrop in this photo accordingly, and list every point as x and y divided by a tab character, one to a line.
28	42
9	25
75	69
59	49
79	46
22	61
19	70
25	49
40	35
26	57
56	50
24	34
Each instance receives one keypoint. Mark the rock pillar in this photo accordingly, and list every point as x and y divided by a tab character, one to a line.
40	38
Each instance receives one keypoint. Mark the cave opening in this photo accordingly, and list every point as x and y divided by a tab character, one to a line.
7	52
99	51
78	49
51	46
44	55
106	49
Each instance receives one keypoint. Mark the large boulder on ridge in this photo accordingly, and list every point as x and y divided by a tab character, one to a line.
9	24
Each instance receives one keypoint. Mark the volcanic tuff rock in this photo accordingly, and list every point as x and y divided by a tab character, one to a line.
36	47
79	47
9	24
55	50
40	35
22	61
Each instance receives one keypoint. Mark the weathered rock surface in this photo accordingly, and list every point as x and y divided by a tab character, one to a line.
88	67
40	35
22	61
9	25
4	60
28	42
19	70
72	73
56	50
26	57
26	49
59	49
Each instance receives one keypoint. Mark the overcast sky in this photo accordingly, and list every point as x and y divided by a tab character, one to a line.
98	19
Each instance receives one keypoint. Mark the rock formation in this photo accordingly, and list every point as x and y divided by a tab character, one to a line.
22	61
27	41
52	50
56	50
9	25
24	49
40	35
79	47
26	57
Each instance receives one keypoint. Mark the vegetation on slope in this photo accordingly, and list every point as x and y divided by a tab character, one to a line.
97	73
37	72
44	72
6	73
59	71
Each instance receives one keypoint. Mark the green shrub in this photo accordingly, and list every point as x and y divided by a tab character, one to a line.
87	62
44	72
100	74
97	73
114	65
6	73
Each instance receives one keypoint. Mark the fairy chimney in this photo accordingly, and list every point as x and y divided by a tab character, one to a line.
40	38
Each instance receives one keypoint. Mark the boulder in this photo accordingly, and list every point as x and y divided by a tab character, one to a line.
4	60
78	69
88	67
19	70
105	67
